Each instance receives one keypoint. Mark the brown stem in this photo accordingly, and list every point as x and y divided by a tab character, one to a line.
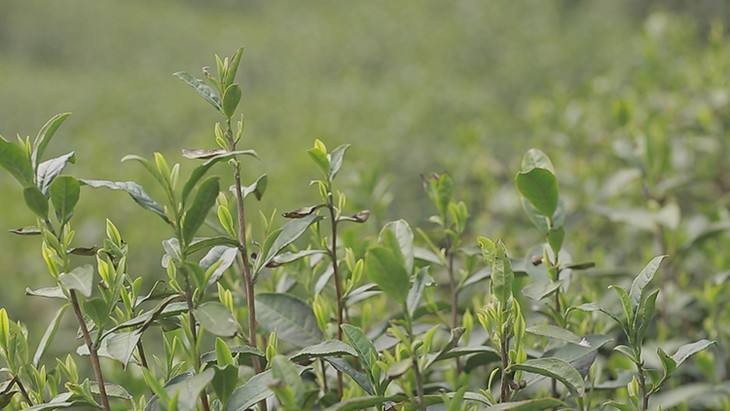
194	334
338	285
23	392
142	356
92	351
246	277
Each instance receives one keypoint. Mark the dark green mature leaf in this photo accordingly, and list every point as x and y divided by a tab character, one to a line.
324	349
286	373
48	170
231	97
80	279
36	201
241	351
279	239
359	377
398	237
502	276
361	343
254	390
687	350
527	405
65	191
200	244
454	338
48	335
212	157
643	279
224	381
198	211
258	187
386	270
552	331
187	389
289	317
537	183
205	91
45	134
215	318
15	160
117	346
112	390
557	369
134	190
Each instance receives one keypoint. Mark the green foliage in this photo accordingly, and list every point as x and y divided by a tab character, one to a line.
321	313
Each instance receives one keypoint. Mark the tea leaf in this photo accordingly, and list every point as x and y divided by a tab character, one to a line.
289	317
64	191
198	211
48	335
231	97
36	201
48	170
216	319
80	279
386	270
204	90
644	278
324	349
557	369
134	190
45	134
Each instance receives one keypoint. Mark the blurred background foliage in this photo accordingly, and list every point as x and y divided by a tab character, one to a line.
629	99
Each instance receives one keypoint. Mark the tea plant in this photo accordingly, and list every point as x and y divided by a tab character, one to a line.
314	313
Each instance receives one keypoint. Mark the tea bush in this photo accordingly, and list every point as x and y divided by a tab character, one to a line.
316	312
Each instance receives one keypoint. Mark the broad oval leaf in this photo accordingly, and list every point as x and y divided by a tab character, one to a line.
36	201
537	183
386	270
80	279
64	191
552	331
215	318
289	317
231	97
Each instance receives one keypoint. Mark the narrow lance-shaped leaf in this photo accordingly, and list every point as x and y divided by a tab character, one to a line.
278	240
204	90
48	335
198	211
644	278
557	369
45	134
200	171
361	343
134	190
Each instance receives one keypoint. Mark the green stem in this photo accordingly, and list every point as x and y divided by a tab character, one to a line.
414	359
